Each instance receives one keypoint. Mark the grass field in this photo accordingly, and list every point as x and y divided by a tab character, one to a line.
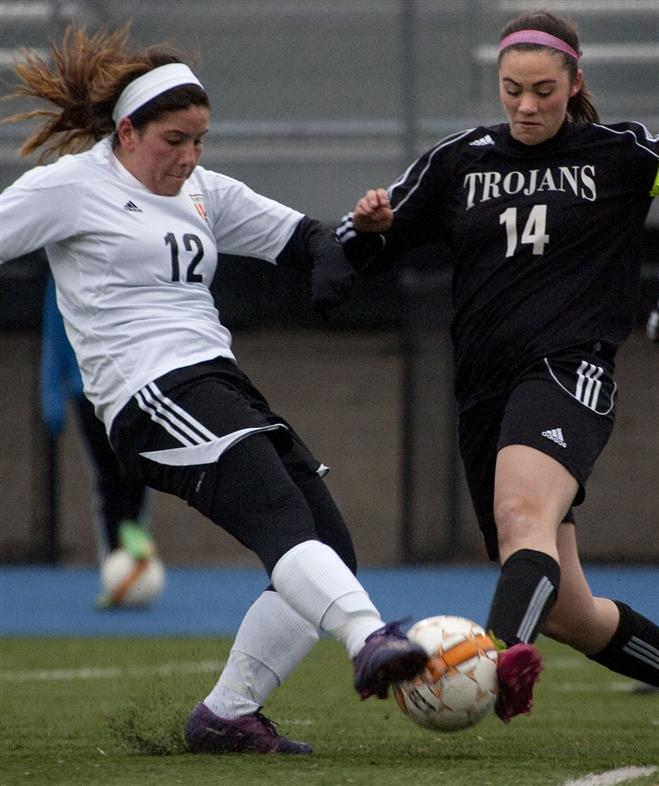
103	712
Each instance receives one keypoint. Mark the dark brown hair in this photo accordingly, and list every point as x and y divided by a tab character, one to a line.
580	108
87	75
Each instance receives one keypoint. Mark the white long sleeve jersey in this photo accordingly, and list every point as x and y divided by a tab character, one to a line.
133	269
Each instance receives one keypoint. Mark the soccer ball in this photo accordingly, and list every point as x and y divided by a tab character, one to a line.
127	581
459	685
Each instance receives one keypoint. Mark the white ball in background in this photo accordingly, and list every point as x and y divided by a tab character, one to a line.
130	582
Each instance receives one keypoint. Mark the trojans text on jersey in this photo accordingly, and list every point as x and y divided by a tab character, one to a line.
483	186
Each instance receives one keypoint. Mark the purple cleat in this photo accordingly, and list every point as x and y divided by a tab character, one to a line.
387	656
205	732
518	670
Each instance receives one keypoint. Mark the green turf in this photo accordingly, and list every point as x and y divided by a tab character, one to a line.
111	711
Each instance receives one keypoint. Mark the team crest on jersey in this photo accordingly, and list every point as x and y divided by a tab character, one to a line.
200	205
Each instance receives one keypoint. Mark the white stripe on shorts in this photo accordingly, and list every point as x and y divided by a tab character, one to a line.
180	424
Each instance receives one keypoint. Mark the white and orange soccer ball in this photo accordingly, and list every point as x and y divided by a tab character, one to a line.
459	685
127	581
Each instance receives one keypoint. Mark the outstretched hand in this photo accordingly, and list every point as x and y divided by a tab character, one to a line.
373	212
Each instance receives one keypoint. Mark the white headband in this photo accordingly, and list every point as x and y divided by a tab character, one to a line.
150	85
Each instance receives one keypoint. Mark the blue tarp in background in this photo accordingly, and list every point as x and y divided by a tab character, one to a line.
45	601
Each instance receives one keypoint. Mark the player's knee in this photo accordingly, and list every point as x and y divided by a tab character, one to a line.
330	526
286	521
277	506
514	517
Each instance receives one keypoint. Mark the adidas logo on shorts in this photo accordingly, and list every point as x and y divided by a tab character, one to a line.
556	435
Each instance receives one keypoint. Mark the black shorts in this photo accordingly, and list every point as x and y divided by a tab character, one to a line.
192	415
563	406
205	434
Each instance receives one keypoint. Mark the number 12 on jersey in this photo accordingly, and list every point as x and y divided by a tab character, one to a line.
533	232
191	243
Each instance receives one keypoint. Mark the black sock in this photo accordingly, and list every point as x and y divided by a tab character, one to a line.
525	593
634	648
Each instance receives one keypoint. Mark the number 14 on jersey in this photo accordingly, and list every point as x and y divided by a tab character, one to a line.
533	232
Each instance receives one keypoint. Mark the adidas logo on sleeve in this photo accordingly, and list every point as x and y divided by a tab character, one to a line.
484	140
556	435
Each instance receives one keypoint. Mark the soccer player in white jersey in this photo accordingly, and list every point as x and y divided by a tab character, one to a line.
542	216
132	228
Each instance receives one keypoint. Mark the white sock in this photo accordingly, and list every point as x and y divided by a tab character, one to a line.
351	619
320	586
272	639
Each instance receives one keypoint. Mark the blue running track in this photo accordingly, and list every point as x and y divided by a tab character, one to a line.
44	601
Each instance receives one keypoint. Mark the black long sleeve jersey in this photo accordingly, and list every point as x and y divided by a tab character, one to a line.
544	240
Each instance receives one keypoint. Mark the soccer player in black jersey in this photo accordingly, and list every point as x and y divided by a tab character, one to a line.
542	215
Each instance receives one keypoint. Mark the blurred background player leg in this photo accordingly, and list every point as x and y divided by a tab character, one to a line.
121	520
121	504
652	326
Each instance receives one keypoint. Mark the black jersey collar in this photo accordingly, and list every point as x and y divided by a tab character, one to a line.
548	146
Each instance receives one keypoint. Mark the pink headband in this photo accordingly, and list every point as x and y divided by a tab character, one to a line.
537	37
